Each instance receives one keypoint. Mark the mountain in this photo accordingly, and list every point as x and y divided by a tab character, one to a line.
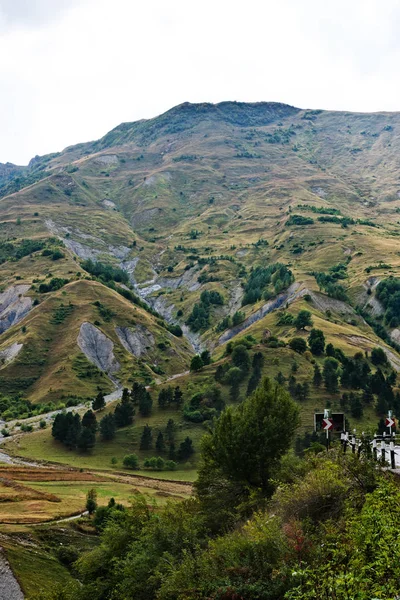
107	246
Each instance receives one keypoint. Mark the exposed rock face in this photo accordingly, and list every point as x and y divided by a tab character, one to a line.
98	348
287	297
188	280
13	306
9	586
366	344
8	354
107	159
395	335
136	340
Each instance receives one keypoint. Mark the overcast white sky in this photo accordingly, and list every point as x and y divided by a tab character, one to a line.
71	70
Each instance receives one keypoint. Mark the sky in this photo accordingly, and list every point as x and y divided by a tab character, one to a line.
71	70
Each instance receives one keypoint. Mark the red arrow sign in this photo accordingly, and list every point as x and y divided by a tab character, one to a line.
327	424
389	422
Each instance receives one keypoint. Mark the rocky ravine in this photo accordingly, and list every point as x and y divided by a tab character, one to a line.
99	349
13	306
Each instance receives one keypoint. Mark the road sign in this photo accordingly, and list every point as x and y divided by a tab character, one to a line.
389	422
327	424
337	419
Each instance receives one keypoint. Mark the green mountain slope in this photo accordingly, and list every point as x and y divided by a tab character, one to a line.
187	202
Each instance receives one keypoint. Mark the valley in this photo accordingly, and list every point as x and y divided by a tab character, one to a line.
179	253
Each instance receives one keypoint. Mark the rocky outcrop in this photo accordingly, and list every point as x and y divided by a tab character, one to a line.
8	354
136	340
13	306
9	586
292	293
98	349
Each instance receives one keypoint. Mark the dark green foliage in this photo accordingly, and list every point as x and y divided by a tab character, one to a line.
99	402
241	358
87	439
299	220
298	344
330	375
54	284
303	320
145	404
124	411
16	251
205	357
226	323
248	441
91	501
285	318
199	319
146	439
316	341
238	318
106	313
185	449
266	281
160	444
356	407
176	330
61	313
89	420
196	363
204	406
378	356
165	397
131	461
328	282
108	427
319	209
66	429
105	272
317	378
388	293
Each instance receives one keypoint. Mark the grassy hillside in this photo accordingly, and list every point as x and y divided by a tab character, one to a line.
187	202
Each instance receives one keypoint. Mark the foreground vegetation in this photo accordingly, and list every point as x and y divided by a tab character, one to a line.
262	523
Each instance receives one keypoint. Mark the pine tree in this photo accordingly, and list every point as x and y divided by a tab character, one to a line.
170	431
146	439
91	501
172	452
99	402
317	379
280	378
292	384
73	430
186	449
107	427
162	398
124	412
219	374
160	444
178	396
145	404
89	420
87	439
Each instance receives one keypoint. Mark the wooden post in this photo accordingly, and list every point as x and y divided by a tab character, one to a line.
392	456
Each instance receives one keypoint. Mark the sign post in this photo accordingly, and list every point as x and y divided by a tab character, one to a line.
389	422
327	425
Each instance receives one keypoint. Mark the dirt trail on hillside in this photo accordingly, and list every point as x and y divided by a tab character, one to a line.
9	586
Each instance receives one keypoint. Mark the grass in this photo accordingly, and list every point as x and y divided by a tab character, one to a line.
31	495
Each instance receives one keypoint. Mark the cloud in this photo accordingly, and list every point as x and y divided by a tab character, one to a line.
72	70
32	12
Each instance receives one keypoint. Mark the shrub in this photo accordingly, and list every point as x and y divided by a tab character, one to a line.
131	461
298	345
